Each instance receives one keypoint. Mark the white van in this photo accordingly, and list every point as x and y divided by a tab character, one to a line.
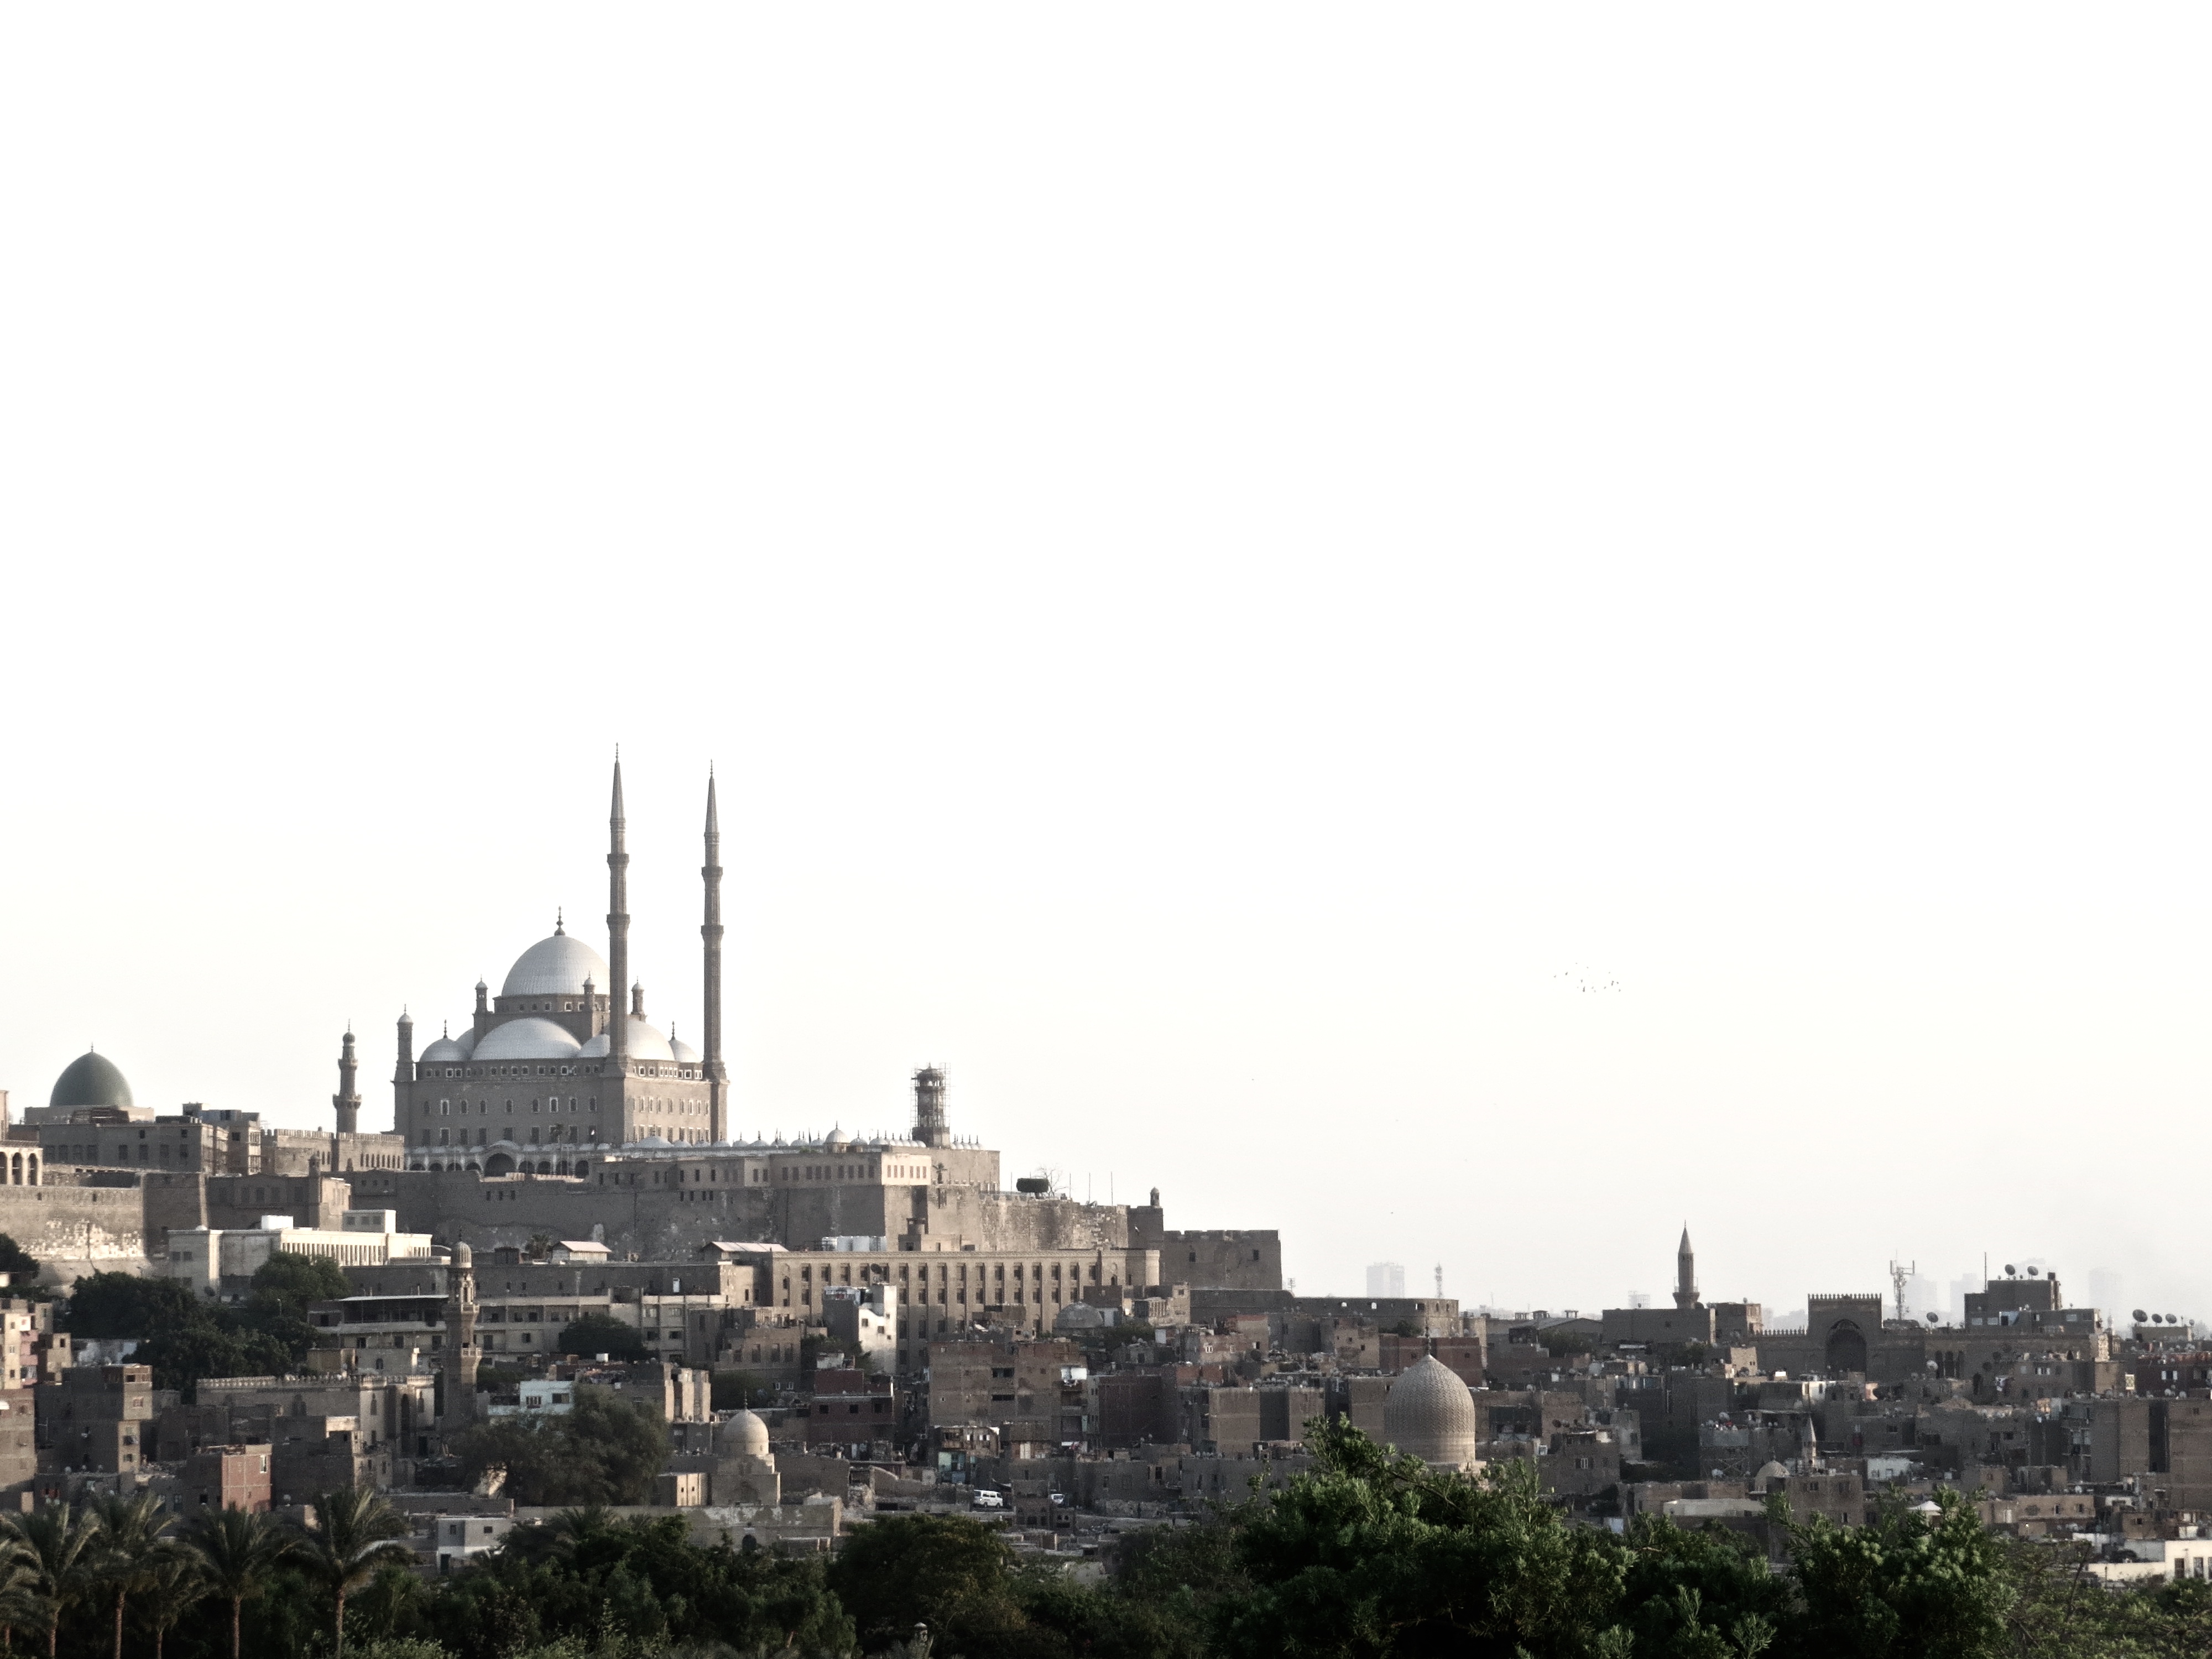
988	1500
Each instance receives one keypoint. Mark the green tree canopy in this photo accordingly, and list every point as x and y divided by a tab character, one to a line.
115	1305
606	1448
599	1332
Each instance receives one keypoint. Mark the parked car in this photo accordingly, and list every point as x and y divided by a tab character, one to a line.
988	1500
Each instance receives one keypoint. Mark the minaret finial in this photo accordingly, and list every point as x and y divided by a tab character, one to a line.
710	933
560	921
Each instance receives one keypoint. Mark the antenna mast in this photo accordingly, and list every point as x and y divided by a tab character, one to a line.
1898	1275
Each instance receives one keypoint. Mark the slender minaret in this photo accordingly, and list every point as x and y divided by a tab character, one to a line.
462	1356
347	1101
403	1075
617	932
1686	1274
711	978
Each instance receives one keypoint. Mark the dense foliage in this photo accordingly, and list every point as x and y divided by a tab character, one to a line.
22	1270
185	1337
597	1334
1370	1555
606	1448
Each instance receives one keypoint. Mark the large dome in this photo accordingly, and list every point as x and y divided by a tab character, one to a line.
645	1043
556	967
91	1080
526	1039
744	1435
1430	1414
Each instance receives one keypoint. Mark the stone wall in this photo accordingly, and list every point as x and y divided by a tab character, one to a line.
79	1230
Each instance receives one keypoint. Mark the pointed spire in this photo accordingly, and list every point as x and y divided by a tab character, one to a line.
560	922
617	808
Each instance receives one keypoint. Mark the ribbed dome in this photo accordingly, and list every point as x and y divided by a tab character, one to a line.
554	967
646	1043
526	1039
744	1435
1430	1414
91	1080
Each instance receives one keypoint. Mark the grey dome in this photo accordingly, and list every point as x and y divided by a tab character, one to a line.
556	966
91	1080
743	1435
526	1039
838	1140
684	1053
645	1043
445	1051
466	1043
1430	1414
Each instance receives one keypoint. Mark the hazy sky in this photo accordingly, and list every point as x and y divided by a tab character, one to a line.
1469	635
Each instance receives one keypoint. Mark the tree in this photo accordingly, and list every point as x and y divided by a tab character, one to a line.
354	1533
58	1545
293	1281
21	1605
127	1546
599	1332
21	1268
1703	1595
1932	1586
123	1305
605	1449
172	1588
946	1571
1372	1553
238	1552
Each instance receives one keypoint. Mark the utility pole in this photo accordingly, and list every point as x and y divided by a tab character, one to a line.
1898	1275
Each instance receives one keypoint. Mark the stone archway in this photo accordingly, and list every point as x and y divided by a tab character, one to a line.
1847	1349
499	1163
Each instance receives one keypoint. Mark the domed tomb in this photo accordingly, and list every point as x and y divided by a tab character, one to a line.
1430	1414
90	1079
555	966
743	1434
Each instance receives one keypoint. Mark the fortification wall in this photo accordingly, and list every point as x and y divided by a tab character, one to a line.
1237	1259
79	1230
1010	1221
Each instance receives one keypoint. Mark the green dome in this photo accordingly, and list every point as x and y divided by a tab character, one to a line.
91	1080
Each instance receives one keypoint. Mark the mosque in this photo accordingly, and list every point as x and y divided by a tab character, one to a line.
547	1079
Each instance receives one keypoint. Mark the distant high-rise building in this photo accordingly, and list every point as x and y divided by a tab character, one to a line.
1386	1279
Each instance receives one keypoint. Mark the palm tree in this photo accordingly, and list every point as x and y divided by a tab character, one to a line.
128	1544
354	1533
20	1605
238	1551
172	1588
56	1545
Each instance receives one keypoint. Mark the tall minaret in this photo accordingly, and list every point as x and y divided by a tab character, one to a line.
1686	1274
347	1101
403	1075
711	872
618	938
931	1128
462	1356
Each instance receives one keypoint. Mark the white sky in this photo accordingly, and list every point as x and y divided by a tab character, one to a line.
1230	560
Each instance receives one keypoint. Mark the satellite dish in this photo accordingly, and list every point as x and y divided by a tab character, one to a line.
2173	1319
2010	1269
1931	1320
2140	1315
2032	1272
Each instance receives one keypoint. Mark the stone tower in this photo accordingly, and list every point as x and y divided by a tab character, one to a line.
930	1127
618	936
347	1101
403	1075
1686	1274
711	872
462	1354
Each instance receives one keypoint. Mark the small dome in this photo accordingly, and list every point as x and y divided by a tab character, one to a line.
526	1039
742	1436
554	967
466	1043
444	1052
462	1256
91	1080
684	1053
645	1043
1430	1414
838	1140
1768	1473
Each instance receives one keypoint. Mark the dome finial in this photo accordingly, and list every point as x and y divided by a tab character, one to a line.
560	921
